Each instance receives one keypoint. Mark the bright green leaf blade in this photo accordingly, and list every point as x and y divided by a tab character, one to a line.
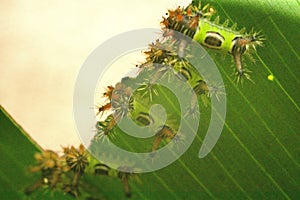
257	155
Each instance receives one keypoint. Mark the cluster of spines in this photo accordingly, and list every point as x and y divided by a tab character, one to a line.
63	172
120	103
185	20
54	169
51	167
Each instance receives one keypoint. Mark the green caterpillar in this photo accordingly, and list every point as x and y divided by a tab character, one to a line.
193	22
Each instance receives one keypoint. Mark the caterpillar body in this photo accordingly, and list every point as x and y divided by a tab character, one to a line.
194	22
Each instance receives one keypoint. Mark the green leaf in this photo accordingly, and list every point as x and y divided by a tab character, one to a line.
257	155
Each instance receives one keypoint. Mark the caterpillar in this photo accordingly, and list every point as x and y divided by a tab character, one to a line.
194	22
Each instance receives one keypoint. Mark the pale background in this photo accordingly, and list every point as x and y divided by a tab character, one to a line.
42	47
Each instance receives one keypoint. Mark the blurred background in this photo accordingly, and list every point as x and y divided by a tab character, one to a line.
44	44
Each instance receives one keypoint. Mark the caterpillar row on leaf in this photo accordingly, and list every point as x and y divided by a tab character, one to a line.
194	22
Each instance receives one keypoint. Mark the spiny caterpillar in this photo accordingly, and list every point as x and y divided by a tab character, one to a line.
165	63
193	21
167	60
63	172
